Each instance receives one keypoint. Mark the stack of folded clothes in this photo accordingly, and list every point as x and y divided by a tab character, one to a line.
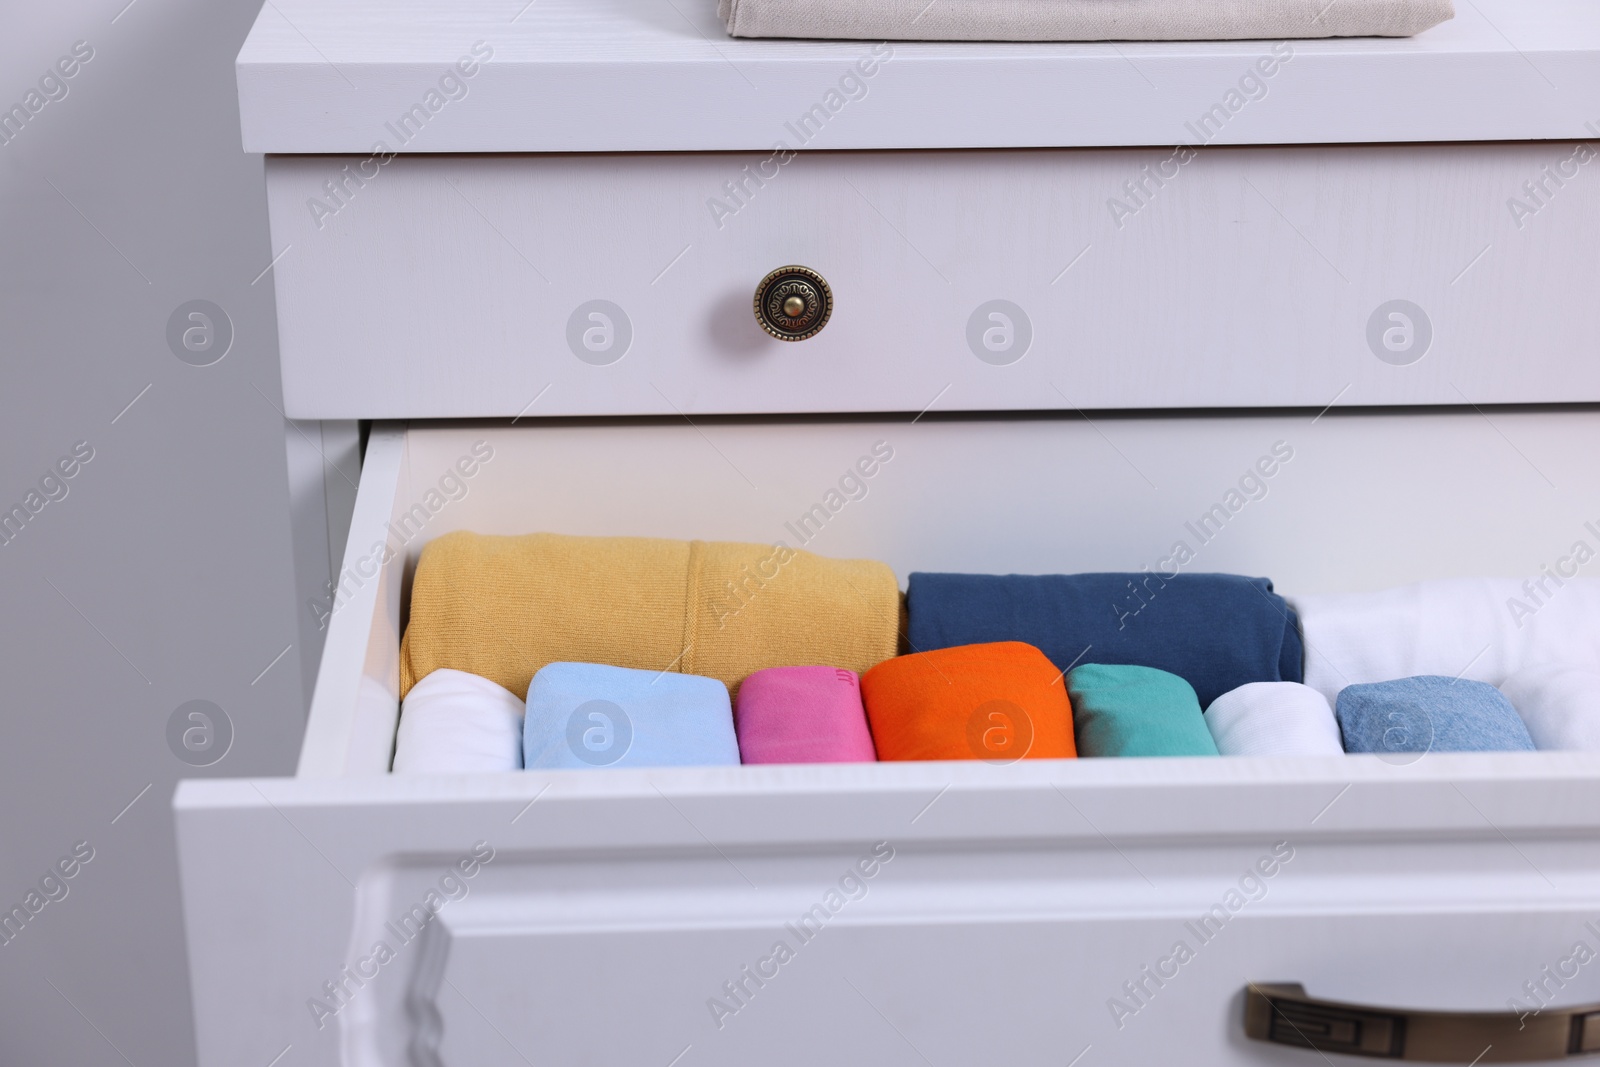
548	651
628	651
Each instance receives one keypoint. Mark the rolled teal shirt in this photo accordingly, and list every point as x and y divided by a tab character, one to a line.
1135	711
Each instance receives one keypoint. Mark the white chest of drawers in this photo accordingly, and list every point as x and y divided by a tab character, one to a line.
1168	315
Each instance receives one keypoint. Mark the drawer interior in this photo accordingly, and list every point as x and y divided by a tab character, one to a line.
1365	500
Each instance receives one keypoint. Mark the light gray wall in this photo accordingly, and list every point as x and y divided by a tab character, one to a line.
164	574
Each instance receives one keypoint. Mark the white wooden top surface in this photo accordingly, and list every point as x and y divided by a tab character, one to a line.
661	75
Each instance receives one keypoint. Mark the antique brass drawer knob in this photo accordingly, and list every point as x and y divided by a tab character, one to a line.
793	303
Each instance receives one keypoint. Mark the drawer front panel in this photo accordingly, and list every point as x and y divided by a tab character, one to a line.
1095	278
1009	914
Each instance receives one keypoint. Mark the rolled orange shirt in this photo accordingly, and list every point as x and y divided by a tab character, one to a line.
997	702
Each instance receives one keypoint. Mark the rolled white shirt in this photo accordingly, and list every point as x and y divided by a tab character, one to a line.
453	722
1274	719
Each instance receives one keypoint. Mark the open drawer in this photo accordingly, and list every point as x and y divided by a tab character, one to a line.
1050	912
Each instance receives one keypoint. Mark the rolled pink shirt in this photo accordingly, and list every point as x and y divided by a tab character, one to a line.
802	715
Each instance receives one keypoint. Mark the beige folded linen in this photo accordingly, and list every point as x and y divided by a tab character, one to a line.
1080	20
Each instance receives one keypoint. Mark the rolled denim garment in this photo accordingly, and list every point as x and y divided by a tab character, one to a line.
453	722
1429	713
1215	631
590	715
1274	719
1560	705
997	702
802	715
1122	710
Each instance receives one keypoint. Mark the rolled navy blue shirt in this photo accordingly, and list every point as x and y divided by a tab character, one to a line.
1215	631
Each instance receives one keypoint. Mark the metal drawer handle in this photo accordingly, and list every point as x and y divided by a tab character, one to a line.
1285	1014
793	303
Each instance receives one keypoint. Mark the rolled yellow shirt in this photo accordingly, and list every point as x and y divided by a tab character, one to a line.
503	607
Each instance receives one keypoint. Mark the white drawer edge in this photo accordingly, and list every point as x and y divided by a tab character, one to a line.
574	76
358	686
1445	794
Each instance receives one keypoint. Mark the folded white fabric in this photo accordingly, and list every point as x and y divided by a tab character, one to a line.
1485	629
1273	719
453	722
1080	20
1559	704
